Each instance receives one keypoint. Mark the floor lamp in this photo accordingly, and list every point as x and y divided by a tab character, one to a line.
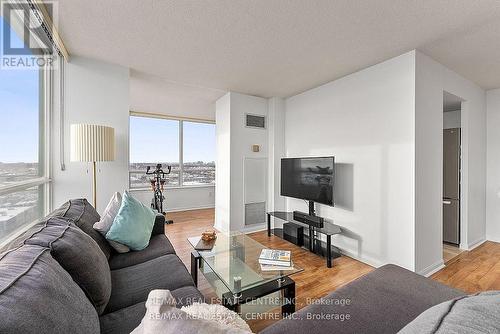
92	143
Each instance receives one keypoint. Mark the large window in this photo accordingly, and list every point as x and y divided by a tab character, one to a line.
187	146
23	170
153	141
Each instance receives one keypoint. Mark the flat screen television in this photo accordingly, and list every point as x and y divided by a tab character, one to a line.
311	179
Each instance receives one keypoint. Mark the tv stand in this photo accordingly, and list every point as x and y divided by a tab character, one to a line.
311	241
311	209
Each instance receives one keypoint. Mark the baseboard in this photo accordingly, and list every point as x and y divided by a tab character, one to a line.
220	229
254	228
367	260
433	268
493	239
191	208
476	244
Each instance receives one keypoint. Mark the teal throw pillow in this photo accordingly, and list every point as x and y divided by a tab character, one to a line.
133	224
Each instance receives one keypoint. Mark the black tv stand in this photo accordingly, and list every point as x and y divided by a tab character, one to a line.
311	209
311	242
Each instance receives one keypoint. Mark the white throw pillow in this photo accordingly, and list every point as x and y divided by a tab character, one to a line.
162	317
218	313
107	219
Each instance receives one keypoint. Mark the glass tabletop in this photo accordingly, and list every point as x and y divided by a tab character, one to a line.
235	260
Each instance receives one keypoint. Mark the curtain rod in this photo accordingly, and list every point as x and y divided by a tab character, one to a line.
49	27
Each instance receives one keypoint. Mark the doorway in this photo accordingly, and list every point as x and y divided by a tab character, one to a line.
452	162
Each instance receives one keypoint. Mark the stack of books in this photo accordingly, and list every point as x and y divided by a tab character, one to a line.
274	259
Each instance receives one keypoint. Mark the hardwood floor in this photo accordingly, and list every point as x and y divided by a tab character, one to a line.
188	224
450	252
316	280
473	271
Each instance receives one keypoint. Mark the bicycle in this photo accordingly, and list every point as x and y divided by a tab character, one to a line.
157	186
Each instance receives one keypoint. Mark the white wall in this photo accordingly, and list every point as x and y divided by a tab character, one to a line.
366	120
493	171
432	79
223	163
96	92
242	139
276	133
452	120
383	124
234	144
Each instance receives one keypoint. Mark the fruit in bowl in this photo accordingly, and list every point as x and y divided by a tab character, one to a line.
209	235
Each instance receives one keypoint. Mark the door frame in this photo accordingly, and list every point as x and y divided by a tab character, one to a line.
464	175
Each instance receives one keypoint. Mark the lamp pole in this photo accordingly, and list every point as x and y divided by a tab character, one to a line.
94	184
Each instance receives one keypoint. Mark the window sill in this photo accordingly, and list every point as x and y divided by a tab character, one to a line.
17	233
23	185
174	188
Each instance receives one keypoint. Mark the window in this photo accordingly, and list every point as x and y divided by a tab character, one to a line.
23	169
153	141
187	146
198	153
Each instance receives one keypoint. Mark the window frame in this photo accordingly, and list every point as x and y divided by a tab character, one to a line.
181	120
45	102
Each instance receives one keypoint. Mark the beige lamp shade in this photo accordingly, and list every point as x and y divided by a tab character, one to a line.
92	143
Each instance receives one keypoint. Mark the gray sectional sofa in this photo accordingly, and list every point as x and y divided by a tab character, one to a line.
380	302
62	276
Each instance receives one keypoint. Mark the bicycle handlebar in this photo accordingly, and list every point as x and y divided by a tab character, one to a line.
158	170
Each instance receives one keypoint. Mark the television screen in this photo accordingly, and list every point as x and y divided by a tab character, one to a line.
311	179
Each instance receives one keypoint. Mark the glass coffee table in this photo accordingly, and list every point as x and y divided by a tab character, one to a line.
234	261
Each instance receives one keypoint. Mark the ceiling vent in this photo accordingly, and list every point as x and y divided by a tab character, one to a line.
255	121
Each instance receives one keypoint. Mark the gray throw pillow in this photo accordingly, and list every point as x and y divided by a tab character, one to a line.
80	256
38	296
478	313
82	214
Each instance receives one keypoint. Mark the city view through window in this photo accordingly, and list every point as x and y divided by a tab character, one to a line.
155	140
19	155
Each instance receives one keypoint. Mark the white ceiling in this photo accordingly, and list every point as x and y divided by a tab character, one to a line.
281	47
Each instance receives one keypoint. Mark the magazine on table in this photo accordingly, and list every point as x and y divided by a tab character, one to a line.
270	267
276	257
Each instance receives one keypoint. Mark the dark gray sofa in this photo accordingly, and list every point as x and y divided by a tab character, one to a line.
381	302
62	276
